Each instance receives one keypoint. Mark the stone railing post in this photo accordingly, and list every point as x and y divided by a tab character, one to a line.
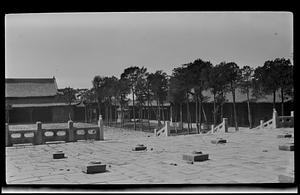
225	125
7	137
212	129
292	113
167	128
101	129
261	124
39	133
155	132
275	118
71	131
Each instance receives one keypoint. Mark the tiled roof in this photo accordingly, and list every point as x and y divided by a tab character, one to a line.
30	87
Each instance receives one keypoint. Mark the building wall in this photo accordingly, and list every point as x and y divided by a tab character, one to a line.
32	100
43	114
259	111
79	114
61	113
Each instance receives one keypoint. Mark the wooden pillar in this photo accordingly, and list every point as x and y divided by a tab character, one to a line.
30	115
39	133
212	129
71	131
7	136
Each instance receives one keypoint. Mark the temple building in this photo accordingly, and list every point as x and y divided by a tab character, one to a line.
35	99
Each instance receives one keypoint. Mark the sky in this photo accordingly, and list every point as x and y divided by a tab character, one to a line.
74	47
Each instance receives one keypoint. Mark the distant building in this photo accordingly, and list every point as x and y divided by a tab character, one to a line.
261	109
35	99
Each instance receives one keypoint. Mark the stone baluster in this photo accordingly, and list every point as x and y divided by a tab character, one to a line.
39	133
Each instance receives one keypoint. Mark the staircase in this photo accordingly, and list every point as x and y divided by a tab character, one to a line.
278	121
222	127
165	131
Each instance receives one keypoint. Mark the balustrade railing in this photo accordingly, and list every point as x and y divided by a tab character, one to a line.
41	136
222	127
278	121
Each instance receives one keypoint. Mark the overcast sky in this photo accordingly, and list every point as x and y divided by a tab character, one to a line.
76	47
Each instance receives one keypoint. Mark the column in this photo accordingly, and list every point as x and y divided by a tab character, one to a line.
101	129
275	117
261	124
167	128
71	131
212	129
225	124
39	133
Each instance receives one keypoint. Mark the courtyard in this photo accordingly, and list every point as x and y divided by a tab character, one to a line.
249	156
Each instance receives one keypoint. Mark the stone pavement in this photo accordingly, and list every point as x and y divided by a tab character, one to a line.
249	156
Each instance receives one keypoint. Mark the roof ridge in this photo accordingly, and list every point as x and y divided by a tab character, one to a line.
29	80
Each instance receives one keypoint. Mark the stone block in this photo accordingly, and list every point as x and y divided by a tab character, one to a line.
139	147
94	167
284	136
195	157
218	141
58	155
287	147
285	179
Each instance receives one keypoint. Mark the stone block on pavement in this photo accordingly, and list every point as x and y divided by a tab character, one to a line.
285	179
195	157
58	155
139	147
287	147
284	136
218	141
94	167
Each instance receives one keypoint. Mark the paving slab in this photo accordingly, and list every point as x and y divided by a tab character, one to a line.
240	160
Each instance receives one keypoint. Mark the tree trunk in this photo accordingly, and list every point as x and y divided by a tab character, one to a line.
187	112
122	116
140	116
106	115
274	99
249	111
234	110
99	108
181	116
116	114
196	110
200	114
214	109
222	104
110	111
133	109
158	117
163	112
282	102
85	117
70	113
148	113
